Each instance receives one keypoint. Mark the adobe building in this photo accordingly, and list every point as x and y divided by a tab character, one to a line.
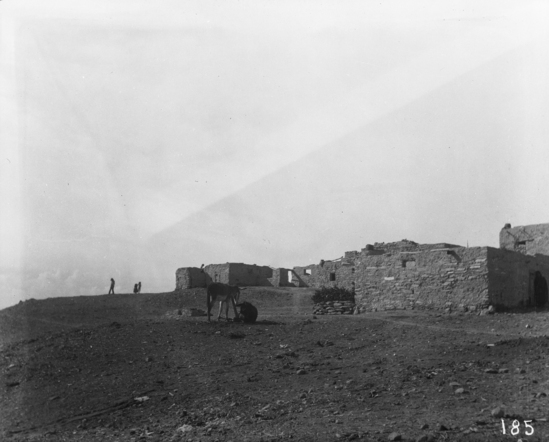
230	273
407	275
530	240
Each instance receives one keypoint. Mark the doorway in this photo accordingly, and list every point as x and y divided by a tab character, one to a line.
540	290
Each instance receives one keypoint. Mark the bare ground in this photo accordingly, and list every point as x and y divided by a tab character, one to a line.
129	368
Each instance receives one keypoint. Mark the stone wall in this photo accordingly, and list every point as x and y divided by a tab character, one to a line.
529	240
512	276
231	273
334	308
249	275
446	278
217	273
454	278
189	277
279	278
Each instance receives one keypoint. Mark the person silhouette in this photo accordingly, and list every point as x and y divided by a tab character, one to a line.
112	287
139	287
135	289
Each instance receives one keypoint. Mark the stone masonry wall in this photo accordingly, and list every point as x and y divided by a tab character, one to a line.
279	278
231	273
189	277
529	240
511	277
249	275
334	308
454	278
217	273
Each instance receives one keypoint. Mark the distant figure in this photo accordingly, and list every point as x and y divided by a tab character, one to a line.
135	289
139	287
111	290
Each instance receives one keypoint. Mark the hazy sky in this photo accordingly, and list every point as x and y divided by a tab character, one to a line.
139	137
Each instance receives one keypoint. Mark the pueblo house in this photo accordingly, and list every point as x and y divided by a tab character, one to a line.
230	273
408	275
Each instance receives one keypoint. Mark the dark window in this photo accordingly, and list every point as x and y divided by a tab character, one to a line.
332	276
353	270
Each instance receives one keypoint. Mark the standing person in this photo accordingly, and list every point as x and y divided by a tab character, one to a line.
139	287
112	287
135	289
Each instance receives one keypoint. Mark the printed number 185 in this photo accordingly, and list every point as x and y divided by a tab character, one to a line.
515	428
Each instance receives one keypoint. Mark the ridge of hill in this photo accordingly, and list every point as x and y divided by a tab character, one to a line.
32	317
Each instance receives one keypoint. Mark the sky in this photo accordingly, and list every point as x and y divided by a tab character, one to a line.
140	137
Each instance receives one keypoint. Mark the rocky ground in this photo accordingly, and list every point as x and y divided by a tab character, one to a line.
129	368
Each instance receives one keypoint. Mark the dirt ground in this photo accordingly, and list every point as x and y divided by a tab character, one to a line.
129	368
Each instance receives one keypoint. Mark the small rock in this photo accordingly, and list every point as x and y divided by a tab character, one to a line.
12	384
301	371
497	412
455	384
395	436
460	390
503	370
148	359
442	428
520	370
528	326
491	371
424	427
185	428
